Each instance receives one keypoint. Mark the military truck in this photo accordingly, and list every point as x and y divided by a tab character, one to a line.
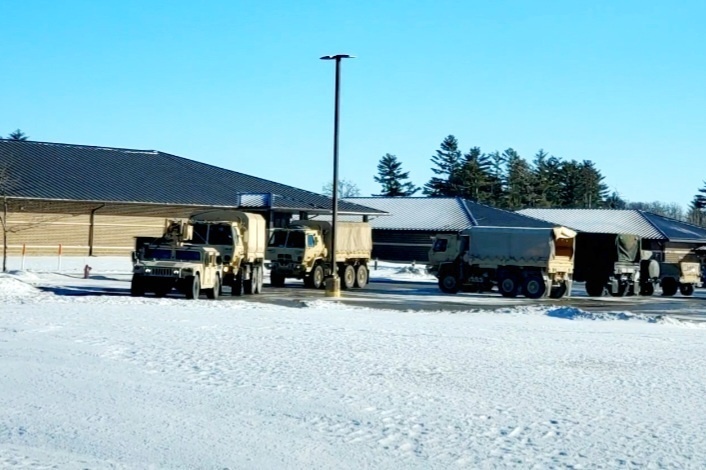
680	270
303	251
534	262
167	263
614	263
240	237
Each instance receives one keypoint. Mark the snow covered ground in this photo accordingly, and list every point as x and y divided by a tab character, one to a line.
119	382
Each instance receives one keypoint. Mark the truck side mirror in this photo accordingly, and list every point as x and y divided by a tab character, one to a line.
133	255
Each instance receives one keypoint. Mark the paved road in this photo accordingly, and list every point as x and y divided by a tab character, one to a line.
425	296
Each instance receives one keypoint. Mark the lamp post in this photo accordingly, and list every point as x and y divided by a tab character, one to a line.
333	284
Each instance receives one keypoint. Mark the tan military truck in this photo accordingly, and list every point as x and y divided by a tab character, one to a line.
680	270
240	238
167	264
534	262
303	251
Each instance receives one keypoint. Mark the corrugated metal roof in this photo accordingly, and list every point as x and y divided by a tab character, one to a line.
440	214
676	230
600	221
52	171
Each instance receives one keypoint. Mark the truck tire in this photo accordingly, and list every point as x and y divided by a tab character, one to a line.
260	279
595	287
361	276
647	289
669	286
215	292
686	289
557	292
315	279
508	285
448	283
236	288
193	287
534	287
276	279
137	286
347	276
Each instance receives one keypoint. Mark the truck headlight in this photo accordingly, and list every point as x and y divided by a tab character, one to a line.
148	270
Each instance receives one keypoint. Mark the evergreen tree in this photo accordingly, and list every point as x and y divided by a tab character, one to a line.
570	193
614	201
392	178
18	135
496	179
591	185
519	181
697	213
546	180
448	162
474	176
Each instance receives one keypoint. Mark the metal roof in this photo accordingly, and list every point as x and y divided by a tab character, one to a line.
643	224
52	171
440	214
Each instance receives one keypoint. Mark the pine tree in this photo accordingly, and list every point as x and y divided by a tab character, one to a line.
18	135
519	181
614	201
570	191
591	185
496	180
448	162
546	180
392	178
474	175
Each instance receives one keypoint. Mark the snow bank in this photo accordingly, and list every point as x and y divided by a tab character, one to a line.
13	288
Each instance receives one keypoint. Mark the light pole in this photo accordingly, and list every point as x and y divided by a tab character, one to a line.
333	284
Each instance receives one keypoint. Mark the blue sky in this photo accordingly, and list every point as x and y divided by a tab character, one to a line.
240	85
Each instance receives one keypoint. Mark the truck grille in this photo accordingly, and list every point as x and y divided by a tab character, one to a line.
168	272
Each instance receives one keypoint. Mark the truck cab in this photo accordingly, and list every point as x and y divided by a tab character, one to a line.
292	252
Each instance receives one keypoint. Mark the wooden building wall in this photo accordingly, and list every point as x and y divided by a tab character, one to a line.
42	234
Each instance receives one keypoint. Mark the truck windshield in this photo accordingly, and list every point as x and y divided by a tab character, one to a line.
166	254
213	234
287	239
440	244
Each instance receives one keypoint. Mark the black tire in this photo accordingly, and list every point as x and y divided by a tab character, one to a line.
137	286
508	286
686	289
647	289
236	288
448	283
317	277
669	286
249	283
276	279
214	293
557	292
595	287
534	287
347	276
361	276
260	279
193	287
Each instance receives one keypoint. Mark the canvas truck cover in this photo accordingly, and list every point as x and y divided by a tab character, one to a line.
254	228
628	248
514	245
353	239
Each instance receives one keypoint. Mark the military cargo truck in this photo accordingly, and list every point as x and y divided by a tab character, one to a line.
303	251
614	263
680	270
534	262
167	263
240	238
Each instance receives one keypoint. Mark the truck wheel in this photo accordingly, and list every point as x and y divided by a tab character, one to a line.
193	287
276	279
315	279
361	276
213	293
260	279
647	289
557	292
686	289
347	277
534	287
669	286
508	286
448	283
594	287
251	285
236	288
137	286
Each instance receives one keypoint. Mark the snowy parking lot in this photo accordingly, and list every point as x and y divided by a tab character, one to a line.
103	380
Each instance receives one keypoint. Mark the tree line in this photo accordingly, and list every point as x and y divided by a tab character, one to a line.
508	181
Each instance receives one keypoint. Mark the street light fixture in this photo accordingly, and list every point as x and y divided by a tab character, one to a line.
333	284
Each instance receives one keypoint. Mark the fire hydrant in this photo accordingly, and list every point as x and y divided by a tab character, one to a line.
86	271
